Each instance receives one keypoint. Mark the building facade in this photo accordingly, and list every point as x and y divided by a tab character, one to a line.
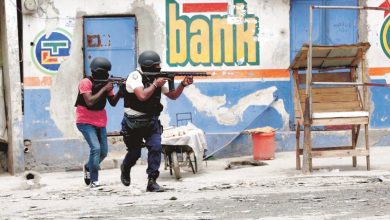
246	46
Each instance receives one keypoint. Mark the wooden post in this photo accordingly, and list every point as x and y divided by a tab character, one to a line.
366	107
12	85
353	74
306	167
354	140
367	146
297	135
297	125
309	63
354	127
364	80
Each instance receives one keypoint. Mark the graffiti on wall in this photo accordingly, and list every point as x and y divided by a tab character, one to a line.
385	30
50	50
211	34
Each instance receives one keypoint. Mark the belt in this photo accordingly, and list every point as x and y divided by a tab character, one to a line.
138	116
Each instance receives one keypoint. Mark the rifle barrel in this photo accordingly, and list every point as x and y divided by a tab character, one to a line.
192	74
114	81
177	73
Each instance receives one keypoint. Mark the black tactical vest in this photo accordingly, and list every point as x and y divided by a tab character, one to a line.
152	106
100	104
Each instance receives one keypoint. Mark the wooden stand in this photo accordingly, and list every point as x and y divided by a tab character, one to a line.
331	96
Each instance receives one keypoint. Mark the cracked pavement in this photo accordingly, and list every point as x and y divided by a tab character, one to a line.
335	190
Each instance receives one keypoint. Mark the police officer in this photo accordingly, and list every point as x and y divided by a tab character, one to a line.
91	117
140	121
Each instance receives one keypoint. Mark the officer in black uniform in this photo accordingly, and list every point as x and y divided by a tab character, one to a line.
141	119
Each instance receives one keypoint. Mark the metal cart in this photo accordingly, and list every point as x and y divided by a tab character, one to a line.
177	156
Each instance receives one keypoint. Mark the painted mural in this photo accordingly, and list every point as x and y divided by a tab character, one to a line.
211	34
385	31
244	45
50	50
380	96
223	37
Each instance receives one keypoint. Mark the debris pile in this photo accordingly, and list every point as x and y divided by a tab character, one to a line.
266	129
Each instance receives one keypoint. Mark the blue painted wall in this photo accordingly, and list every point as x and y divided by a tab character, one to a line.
380	102
331	27
37	122
39	125
251	116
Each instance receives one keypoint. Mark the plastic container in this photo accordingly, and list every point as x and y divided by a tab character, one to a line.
263	146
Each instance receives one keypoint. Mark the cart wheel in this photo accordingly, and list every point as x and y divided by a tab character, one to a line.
170	163
175	163
196	163
166	162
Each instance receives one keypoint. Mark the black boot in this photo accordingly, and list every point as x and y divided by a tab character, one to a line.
153	186
125	176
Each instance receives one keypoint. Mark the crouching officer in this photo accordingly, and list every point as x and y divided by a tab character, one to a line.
141	119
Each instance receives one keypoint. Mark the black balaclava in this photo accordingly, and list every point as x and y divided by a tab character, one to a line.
100	75
150	69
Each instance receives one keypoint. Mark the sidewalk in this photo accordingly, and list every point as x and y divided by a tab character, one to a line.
246	192
214	171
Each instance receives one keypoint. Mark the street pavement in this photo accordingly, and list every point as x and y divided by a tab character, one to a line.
273	190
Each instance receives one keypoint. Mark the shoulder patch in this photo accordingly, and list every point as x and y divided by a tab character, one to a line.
135	76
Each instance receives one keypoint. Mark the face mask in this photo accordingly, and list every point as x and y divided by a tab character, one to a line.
150	69
100	75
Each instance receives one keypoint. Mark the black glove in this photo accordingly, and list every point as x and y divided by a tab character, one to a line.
122	90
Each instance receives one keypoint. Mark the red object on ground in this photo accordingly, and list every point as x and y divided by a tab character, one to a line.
263	146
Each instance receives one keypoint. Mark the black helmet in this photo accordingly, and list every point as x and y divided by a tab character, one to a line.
100	65
149	58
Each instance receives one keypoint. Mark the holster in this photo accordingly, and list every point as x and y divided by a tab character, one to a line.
140	122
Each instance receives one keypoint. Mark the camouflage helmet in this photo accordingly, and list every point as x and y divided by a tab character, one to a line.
149	58
100	64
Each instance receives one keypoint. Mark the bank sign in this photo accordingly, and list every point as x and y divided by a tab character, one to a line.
49	51
212	33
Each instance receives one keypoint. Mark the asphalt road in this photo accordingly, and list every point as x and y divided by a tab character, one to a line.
273	191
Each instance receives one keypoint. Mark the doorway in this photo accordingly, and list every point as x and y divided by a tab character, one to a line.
115	39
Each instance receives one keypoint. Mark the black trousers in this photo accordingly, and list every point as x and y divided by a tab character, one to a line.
137	138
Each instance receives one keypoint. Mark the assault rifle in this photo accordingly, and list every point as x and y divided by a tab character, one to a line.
171	76
112	79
